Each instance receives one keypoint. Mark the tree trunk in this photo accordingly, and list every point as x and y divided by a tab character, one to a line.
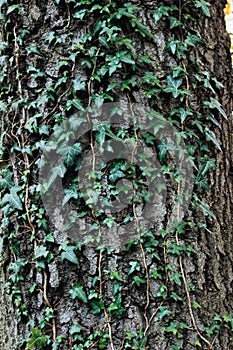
170	288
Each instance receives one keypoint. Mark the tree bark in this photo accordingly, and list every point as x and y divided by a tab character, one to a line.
39	37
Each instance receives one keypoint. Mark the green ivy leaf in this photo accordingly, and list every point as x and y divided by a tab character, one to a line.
6	179
71	192
115	275
127	59
176	347
56	171
112	85
75	328
13	8
36	340
175	296
50	37
174	22
41	251
183	113
160	12
69	254
172	328
75	103
135	266
205	208
172	45
116	307
69	152
173	86
78	292
79	84
3	106
80	14
163	11
204	6
2	2
215	104
97	306
32	50
13	199
193	40
142	29
210	136
163	312
176	277
138	280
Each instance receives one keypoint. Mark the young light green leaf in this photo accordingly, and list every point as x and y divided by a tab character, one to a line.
196	305
37	339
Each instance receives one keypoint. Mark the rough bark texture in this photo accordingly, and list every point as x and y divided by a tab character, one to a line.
209	269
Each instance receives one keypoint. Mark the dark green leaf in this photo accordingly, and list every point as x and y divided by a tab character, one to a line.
142	29
79	84
204	6
173	85
215	104
78	292
97	306
69	152
56	171
163	311
13	8
69	254
13	199
3	106
115	275
6	179
210	136
135	266
41	251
